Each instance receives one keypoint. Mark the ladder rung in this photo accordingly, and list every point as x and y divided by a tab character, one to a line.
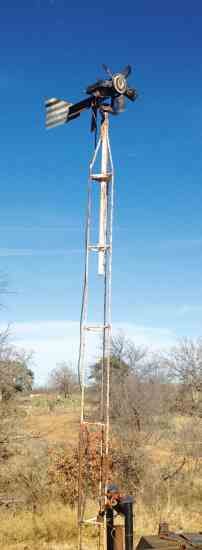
99	247
92	521
96	327
101	177
103	424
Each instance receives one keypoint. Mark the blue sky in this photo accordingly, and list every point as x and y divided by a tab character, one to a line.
49	48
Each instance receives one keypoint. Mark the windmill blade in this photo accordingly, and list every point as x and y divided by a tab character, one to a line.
131	93
118	104
127	71
107	70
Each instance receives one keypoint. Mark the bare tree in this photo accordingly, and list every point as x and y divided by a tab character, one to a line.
137	384
125	349
15	373
63	379
185	366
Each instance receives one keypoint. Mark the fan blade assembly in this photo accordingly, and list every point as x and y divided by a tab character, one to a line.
131	94
126	71
108	94
107	70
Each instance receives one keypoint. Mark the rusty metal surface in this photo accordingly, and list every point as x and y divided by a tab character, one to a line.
185	539
119	537
171	541
101	177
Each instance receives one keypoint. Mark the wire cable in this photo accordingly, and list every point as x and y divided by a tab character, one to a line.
84	291
85	282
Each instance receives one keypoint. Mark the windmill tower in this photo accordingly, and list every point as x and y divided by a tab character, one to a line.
105	97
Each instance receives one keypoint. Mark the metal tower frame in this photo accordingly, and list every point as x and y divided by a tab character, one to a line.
105	179
104	97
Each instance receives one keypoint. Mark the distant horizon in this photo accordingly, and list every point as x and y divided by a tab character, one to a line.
49	343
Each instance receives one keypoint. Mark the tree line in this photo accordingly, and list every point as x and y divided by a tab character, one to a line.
148	393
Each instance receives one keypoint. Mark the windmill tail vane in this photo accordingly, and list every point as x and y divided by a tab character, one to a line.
60	112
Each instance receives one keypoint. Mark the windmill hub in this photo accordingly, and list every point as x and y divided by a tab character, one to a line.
108	94
119	83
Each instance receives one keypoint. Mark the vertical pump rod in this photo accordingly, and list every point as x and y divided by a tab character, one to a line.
103	198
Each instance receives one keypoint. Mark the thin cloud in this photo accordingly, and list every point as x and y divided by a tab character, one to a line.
17	252
43	227
186	309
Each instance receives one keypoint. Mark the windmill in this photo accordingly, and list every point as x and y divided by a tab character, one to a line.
105	97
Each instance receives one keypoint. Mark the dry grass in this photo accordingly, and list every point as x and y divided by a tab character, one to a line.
178	517
54	427
47	546
55	523
55	527
53	421
42	546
